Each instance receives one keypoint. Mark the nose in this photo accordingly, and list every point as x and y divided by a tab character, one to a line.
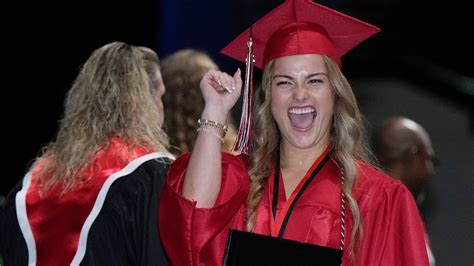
300	93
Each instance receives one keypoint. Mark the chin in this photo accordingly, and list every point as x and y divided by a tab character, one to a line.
301	144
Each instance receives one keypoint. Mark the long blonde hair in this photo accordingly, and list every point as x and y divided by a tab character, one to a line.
347	134
111	97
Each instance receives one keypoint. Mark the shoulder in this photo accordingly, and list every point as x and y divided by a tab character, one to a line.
158	165
368	176
372	182
240	161
147	169
145	181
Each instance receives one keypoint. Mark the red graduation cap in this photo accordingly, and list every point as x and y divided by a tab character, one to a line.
293	28
300	27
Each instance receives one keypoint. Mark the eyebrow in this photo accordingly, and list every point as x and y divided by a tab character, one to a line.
291	78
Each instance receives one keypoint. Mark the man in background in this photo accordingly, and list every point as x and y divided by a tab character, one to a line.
404	150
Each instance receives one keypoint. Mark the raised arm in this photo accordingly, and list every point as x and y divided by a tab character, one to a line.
202	181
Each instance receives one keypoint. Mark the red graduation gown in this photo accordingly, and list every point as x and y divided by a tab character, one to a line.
392	227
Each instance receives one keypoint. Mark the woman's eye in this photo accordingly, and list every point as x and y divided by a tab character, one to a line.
313	81
282	82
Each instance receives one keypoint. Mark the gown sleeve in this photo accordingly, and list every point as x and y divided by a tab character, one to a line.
197	236
393	232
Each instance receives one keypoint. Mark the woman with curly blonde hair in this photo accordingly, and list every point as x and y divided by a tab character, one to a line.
91	197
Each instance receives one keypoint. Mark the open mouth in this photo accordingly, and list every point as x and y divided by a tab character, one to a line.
302	117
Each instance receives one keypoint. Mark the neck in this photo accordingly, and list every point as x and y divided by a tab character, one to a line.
293	157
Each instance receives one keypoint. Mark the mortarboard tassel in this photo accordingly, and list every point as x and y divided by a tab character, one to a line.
242	142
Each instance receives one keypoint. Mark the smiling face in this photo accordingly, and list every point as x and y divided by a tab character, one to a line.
302	100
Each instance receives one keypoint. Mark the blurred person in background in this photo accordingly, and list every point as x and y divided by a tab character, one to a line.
404	150
182	72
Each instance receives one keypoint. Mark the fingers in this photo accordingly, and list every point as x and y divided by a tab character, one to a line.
220	90
219	80
226	82
237	79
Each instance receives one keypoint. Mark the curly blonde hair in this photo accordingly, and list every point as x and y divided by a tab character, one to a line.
111	97
182	73
347	136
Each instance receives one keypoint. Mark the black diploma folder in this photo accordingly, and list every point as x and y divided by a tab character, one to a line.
244	248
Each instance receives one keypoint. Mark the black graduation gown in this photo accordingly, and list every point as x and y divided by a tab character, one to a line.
125	231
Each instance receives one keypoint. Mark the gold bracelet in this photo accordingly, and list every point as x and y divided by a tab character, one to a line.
210	123
212	132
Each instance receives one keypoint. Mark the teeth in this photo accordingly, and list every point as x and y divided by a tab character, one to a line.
299	111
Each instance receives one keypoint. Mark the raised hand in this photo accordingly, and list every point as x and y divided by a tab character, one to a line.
220	91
